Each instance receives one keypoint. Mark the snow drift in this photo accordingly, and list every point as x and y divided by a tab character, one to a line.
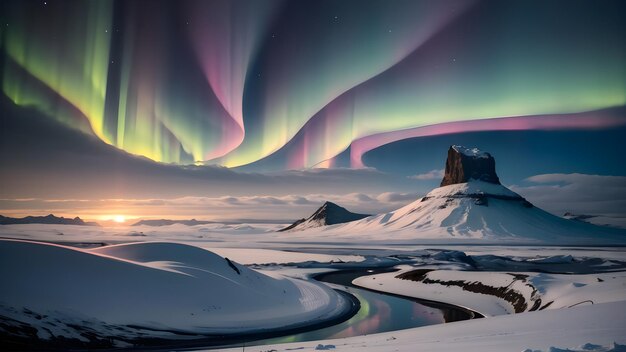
162	290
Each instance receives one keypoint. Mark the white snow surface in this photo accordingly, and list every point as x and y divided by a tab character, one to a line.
573	328
164	286
560	291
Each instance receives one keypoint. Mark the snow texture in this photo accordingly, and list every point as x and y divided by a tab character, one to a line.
163	288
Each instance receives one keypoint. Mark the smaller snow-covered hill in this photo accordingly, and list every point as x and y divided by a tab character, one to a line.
328	214
146	290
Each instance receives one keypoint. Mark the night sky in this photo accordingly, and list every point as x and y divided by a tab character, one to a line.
172	99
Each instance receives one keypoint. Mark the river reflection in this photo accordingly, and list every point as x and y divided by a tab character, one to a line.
378	313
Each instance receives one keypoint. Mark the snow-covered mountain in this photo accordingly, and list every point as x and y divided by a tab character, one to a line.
328	214
472	205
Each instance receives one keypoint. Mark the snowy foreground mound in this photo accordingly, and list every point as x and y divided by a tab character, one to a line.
474	210
146	290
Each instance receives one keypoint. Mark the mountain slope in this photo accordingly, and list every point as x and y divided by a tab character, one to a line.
480	210
471	206
328	214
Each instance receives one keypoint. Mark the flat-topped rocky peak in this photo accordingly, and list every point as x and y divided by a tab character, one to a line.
465	164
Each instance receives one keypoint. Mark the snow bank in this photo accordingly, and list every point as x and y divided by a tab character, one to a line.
149	289
499	293
599	324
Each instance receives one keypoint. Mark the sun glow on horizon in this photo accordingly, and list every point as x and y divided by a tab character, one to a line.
119	218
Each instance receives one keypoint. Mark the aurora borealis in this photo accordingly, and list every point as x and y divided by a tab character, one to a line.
143	102
233	82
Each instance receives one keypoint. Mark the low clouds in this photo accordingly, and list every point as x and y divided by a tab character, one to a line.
394	197
286	208
577	193
430	175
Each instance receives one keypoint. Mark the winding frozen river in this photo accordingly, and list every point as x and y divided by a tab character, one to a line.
379	312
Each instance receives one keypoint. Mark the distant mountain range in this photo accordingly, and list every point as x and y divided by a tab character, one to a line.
48	219
167	222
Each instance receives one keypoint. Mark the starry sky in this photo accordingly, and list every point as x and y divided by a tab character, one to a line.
165	100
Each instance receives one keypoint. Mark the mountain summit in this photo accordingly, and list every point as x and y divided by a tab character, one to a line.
465	164
328	214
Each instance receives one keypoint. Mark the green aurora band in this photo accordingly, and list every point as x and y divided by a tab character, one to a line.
177	84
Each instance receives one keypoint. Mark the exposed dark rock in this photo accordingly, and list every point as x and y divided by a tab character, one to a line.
484	201
515	298
296	223
232	266
464	164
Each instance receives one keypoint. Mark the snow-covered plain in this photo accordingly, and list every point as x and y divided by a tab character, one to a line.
530	290
541	281
535	330
588	328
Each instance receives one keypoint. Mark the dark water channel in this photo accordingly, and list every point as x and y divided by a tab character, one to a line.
378	313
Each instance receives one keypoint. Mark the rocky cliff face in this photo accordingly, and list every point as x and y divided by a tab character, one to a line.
464	164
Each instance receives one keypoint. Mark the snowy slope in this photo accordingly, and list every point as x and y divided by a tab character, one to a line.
328	214
474	210
148	289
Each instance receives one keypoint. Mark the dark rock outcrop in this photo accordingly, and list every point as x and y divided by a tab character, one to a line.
328	214
464	164
296	223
